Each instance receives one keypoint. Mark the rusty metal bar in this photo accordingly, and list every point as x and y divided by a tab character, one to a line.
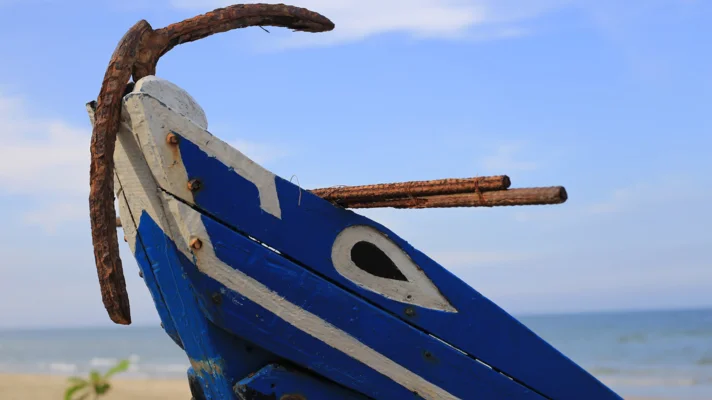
510	197
368	193
495	198
136	55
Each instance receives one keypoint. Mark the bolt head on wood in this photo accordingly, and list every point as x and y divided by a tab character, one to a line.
194	185
196	244
172	138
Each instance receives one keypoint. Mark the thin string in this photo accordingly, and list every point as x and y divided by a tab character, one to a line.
480	196
299	202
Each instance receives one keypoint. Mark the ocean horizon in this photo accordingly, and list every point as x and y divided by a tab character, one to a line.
655	353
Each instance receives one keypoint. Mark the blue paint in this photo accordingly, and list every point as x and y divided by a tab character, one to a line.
275	381
306	232
196	384
218	358
160	303
427	357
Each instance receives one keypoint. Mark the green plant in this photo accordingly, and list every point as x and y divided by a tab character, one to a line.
97	385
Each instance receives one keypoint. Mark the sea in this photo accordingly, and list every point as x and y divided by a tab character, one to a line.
665	354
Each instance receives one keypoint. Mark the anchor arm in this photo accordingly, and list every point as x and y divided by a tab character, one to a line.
136	55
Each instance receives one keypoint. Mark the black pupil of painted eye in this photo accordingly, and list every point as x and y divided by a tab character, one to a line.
373	260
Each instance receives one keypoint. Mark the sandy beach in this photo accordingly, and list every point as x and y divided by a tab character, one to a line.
51	387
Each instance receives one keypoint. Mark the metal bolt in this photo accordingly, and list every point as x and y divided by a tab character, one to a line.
172	138
196	244
194	185
140	273
410	312
217	299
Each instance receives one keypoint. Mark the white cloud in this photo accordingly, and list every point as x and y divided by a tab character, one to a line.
617	201
52	216
665	190
41	156
261	153
45	159
664	194
359	19
48	160
505	159
462	259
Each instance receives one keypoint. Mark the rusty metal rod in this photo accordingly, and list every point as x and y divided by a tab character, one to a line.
495	198
510	197
382	191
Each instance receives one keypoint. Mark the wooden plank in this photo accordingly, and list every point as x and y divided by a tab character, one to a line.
196	384
278	382
172	294
255	293
216	356
304	227
128	161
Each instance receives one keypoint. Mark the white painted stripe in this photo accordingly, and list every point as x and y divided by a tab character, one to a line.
190	226
152	117
137	171
134	185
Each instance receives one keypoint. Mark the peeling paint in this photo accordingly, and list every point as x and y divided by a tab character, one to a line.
211	367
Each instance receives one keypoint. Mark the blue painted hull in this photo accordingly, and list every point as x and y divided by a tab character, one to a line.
265	287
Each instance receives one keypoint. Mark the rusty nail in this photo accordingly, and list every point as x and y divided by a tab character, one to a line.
125	240
410	312
196	244
172	138
217	299
194	185
291	396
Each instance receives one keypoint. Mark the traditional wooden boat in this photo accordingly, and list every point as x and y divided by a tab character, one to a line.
276	292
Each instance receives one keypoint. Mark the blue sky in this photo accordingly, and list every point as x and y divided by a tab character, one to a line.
610	99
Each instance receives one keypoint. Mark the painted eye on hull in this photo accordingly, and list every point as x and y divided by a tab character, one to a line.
372	261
